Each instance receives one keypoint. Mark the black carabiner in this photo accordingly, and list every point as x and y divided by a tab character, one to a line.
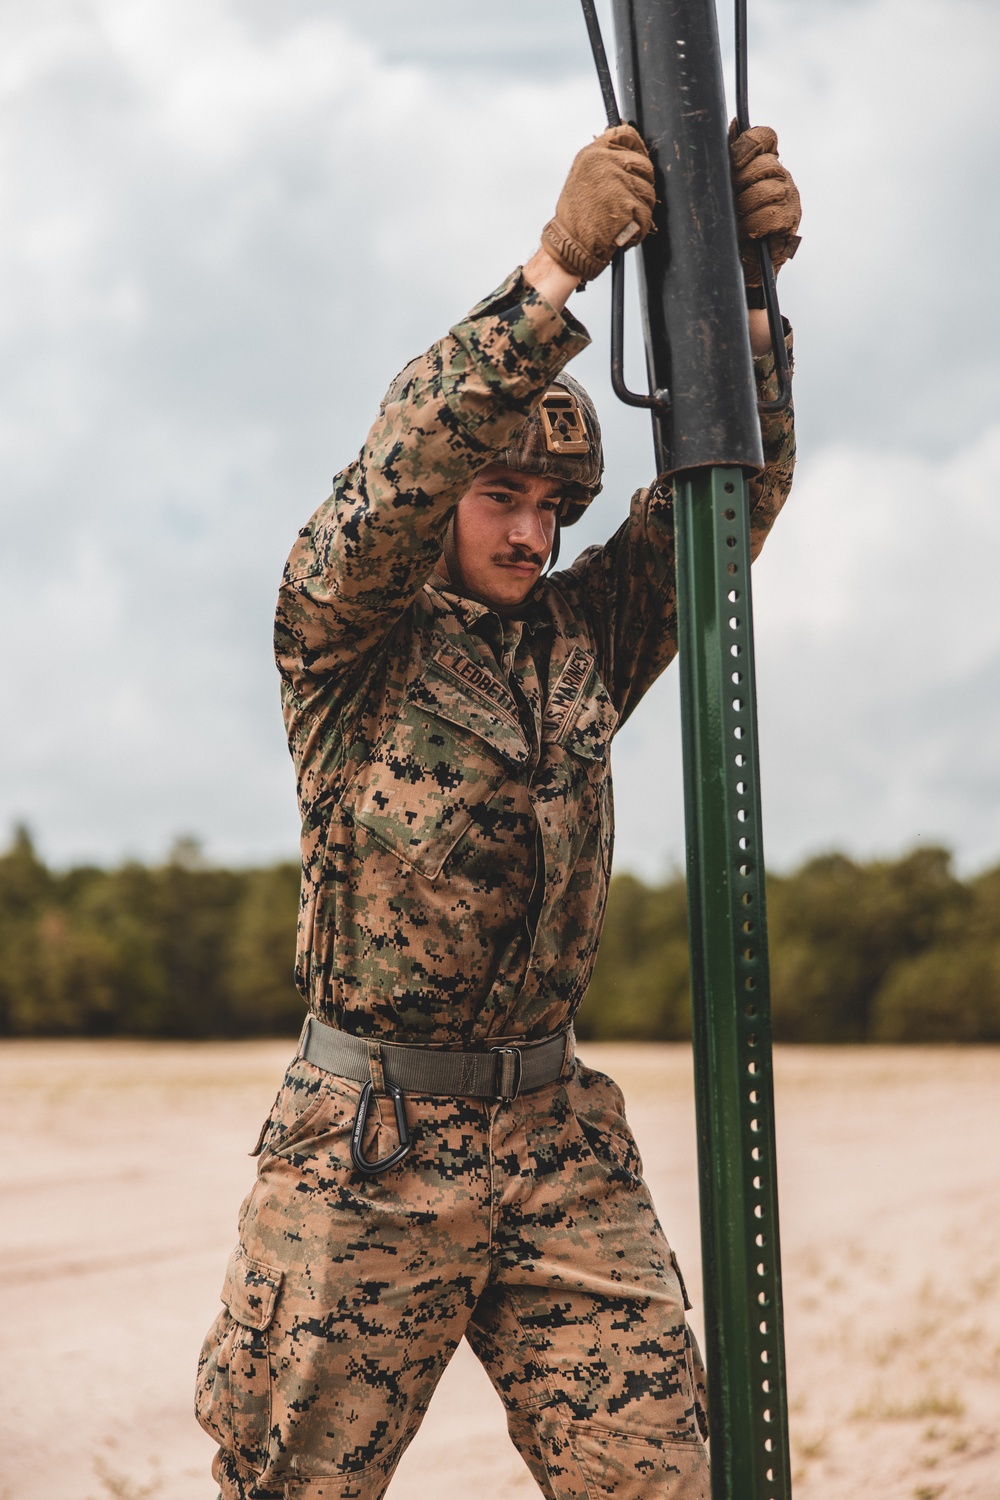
361	1163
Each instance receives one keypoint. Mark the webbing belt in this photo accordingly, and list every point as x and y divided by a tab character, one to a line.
502	1073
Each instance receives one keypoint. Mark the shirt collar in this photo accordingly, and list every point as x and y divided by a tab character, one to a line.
473	615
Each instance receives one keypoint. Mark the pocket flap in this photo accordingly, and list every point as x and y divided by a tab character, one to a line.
251	1290
455	688
453	744
589	733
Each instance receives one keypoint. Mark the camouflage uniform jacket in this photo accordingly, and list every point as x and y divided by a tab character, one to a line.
453	766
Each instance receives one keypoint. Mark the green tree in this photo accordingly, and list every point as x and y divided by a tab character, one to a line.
948	994
25	887
836	929
262	993
951	991
640	988
194	912
891	950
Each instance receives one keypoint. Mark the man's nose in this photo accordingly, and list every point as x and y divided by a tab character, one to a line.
526	529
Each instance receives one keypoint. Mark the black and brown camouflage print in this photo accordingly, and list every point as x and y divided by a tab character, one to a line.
524	1226
453	767
454	781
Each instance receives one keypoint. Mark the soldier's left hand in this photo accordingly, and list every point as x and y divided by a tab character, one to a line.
767	200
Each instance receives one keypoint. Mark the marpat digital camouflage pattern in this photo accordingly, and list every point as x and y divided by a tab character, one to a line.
453	767
454	781
524	1226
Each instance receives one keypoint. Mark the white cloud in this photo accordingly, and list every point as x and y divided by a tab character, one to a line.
880	651
226	225
885	110
220	246
878	656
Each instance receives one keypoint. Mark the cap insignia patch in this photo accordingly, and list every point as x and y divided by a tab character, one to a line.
562	422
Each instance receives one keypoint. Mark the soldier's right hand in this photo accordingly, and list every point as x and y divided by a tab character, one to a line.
605	205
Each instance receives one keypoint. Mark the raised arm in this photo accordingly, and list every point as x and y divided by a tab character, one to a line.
367	551
627	589
369	548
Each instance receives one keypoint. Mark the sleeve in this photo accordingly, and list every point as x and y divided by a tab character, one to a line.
371	546
627	589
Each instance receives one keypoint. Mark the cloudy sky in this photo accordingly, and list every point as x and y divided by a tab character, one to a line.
224	224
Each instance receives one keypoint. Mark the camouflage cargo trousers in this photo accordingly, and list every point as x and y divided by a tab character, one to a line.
524	1226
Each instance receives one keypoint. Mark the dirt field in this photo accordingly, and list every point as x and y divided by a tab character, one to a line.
125	1164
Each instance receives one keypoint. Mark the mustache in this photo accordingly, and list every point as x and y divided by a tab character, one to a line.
518	555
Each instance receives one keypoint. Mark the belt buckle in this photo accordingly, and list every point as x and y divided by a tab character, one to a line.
509	1072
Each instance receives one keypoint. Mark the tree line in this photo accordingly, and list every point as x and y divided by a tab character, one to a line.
889	950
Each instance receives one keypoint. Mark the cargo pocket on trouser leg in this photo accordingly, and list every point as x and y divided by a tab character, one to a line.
696	1370
572	1460
630	1466
692	1357
233	1396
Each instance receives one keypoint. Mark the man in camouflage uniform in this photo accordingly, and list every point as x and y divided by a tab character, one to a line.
450	712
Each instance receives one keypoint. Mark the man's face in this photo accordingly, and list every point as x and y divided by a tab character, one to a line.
505	525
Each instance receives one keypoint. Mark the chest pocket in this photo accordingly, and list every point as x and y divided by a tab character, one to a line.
450	749
589	733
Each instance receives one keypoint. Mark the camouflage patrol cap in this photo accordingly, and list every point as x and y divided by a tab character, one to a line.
561	439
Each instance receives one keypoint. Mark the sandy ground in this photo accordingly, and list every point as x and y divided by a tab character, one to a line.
125	1164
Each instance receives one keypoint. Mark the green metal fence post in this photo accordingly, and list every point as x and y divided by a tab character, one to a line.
730	990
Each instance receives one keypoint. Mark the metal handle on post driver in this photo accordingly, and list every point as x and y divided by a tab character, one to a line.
658	399
767	277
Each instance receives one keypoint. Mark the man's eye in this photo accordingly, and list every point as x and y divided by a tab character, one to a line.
500	496
548	504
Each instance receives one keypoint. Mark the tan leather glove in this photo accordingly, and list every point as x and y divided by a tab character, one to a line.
767	200
606	203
